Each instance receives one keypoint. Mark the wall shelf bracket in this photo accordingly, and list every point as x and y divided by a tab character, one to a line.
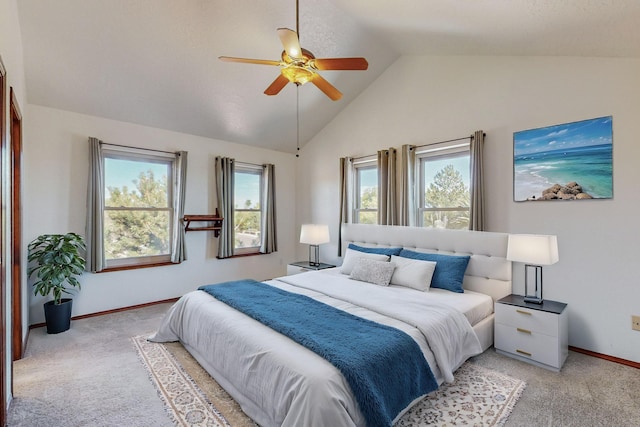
215	223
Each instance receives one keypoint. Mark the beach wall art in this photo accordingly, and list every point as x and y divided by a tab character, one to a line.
571	161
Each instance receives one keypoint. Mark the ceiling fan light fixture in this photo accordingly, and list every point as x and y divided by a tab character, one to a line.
299	66
297	74
294	53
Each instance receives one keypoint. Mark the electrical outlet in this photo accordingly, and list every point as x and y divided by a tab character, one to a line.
635	323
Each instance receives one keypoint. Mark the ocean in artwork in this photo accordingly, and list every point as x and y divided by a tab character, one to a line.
580	152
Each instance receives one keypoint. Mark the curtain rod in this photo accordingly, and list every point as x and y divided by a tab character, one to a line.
137	148
373	156
247	164
470	137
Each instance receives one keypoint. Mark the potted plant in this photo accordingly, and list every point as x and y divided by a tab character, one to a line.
57	260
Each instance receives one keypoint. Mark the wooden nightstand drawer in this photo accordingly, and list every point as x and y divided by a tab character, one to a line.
525	318
535	333
535	346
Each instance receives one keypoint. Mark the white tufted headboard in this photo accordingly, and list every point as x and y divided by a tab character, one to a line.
488	271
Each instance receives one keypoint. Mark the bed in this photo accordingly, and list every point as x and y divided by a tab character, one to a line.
277	381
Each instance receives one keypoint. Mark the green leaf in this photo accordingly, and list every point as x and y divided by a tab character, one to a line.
55	260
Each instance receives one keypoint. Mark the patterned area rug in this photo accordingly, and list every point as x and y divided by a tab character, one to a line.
184	401
478	396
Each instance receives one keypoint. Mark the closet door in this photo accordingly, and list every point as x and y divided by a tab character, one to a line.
3	252
15	163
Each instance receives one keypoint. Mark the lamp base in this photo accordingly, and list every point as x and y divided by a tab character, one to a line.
537	273
314	255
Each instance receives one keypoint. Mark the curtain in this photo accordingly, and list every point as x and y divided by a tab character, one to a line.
387	209
179	254
476	210
224	184
269	240
408	187
346	172
95	207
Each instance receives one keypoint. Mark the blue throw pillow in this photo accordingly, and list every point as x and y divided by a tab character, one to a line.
382	251
449	272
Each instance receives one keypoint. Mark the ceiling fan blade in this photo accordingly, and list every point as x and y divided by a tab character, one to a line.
326	87
290	42
277	85
340	63
249	61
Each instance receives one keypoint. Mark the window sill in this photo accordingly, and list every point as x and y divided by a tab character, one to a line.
243	255
135	267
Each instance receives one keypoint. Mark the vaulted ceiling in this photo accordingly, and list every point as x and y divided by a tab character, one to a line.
154	62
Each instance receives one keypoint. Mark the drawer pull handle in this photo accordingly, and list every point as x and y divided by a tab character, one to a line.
523	312
526	353
524	331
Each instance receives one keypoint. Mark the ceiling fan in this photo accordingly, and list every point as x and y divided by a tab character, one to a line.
299	66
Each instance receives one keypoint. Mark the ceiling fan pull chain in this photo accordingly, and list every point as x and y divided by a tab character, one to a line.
297	120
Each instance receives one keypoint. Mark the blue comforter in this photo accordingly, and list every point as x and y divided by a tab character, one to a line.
384	366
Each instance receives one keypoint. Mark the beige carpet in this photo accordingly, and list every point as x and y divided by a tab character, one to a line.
91	376
478	396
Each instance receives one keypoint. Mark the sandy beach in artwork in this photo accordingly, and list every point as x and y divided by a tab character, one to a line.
576	156
591	167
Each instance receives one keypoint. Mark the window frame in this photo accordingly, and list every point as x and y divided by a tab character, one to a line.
140	155
441	152
365	163
251	169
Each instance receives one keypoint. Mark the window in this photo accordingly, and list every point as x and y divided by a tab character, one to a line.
444	187
138	208
247	217
366	192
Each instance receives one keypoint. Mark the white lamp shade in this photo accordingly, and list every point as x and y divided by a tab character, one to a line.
533	249
314	234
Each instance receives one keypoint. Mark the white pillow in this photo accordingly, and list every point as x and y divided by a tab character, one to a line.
412	273
351	256
373	271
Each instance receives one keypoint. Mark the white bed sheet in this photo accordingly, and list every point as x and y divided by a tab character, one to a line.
278	382
474	305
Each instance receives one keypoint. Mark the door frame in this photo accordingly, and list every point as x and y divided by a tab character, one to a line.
3	249
15	165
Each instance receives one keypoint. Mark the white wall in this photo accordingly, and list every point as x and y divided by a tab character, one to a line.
55	185
11	54
11	48
426	99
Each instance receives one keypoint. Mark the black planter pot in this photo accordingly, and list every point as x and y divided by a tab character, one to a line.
58	317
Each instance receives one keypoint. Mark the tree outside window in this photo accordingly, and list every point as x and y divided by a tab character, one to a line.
137	213
445	190
247	218
366	203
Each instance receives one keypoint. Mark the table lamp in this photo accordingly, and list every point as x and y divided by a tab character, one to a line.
534	250
314	235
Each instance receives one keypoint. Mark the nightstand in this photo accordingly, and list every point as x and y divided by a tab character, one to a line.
302	266
534	333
